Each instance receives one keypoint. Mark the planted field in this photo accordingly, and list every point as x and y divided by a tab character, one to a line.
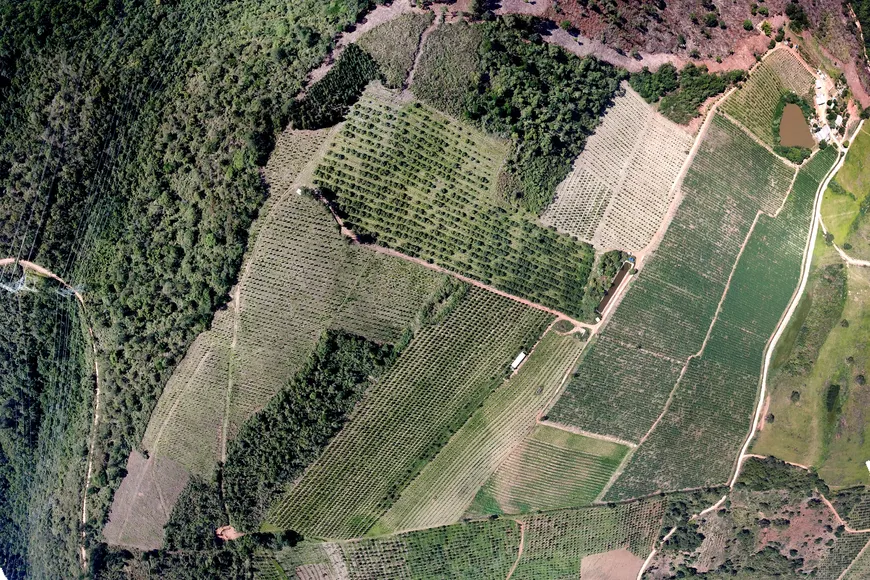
551	469
308	561
860	567
700	435
666	315
419	182
556	542
622	183
445	374
446	486
474	551
755	103
394	45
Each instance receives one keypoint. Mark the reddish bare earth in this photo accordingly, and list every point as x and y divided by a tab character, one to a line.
228	533
143	502
613	565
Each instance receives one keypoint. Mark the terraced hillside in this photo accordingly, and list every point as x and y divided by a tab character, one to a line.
666	315
620	187
414	180
754	105
443	376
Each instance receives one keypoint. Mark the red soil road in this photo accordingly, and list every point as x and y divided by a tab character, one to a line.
519	551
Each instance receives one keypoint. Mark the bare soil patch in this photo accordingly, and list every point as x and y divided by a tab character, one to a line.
613	565
144	501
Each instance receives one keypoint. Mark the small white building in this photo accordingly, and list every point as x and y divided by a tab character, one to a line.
822	134
518	361
839	120
867	463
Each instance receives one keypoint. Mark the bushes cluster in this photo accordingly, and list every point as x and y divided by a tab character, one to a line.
680	94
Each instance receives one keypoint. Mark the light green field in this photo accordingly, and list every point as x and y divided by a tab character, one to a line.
394	44
446	486
842	211
439	381
552	469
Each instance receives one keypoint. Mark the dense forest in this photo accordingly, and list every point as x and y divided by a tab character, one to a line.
131	133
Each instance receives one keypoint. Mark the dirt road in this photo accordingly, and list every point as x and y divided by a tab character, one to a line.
37	269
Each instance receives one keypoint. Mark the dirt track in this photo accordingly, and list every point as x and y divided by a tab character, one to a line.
36	268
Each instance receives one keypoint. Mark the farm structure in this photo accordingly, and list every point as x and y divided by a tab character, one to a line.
715	398
754	105
300	279
414	180
621	185
446	373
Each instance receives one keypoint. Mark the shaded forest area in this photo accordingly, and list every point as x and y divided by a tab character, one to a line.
131	133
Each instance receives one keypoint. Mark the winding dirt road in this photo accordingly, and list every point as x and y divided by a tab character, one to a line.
39	270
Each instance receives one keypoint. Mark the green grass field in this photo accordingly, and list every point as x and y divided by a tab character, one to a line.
393	45
446	486
552	469
755	103
665	316
844	209
715	400
443	376
417	181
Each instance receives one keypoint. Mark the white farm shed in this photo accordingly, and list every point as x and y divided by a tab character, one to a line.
518	361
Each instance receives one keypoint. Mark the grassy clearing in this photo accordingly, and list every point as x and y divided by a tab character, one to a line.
552	469
448	66
665	316
846	203
393	45
713	404
620	186
446	373
417	181
446	486
754	105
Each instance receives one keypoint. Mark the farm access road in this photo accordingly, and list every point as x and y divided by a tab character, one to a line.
41	271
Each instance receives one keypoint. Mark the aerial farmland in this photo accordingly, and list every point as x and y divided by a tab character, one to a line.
415	290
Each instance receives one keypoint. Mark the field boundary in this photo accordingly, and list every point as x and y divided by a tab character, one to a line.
746	130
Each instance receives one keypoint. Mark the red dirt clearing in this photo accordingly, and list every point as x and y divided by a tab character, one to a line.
613	565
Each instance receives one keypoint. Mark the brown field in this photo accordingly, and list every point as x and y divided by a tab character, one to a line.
613	565
144	501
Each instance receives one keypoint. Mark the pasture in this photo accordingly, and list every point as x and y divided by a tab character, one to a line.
621	185
393	45
715	399
846	202
446	486
414	180
444	375
551	469
754	105
666	315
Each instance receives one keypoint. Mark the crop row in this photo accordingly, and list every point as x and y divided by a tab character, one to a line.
446	486
755	103
445	374
542	476
716	397
621	386
620	187
416	181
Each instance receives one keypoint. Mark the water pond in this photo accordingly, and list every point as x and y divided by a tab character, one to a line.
793	129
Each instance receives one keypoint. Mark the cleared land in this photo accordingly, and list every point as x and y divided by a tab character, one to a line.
445	374
551	469
394	45
613	565
623	383
846	203
620	187
700	435
144	501
446	486
416	181
754	105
